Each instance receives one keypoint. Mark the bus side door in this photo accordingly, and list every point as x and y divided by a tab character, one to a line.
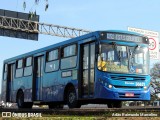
87	72
38	77
10	77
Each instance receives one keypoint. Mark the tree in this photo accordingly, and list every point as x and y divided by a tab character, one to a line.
155	81
155	71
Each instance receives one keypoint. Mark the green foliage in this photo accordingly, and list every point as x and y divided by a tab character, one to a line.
155	71
155	74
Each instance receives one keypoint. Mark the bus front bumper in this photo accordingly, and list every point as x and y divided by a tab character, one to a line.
123	94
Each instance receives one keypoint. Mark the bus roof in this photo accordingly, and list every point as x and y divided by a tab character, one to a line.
63	43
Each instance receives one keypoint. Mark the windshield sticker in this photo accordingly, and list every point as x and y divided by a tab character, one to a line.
132	69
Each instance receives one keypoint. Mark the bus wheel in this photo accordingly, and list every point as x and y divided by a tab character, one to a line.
72	99
20	99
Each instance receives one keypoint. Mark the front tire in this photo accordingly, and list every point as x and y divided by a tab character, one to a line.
72	99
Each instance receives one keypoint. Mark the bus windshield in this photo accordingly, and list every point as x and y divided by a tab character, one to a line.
123	59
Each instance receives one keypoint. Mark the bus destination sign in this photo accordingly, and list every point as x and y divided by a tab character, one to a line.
125	37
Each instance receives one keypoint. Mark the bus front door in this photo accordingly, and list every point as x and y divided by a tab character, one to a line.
38	77
87	76
10	77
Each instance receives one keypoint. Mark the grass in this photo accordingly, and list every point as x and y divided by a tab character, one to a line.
86	118
99	116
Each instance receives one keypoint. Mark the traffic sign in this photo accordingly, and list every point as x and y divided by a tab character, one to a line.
153	41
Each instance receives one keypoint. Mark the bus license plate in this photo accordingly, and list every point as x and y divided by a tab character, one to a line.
129	94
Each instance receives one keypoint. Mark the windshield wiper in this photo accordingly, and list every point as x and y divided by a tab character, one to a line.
132	55
134	51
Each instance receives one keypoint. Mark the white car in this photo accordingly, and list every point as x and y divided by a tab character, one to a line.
2	104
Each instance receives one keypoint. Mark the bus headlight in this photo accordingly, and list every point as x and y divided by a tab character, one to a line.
110	86
145	87
105	83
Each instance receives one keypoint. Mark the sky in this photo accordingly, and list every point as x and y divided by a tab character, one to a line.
86	14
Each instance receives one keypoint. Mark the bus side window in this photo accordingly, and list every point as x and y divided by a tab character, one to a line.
52	61
69	56
19	68
28	66
5	72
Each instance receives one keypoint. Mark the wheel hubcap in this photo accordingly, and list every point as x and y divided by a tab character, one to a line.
19	102
72	97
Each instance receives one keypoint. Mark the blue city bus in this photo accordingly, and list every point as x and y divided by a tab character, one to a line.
102	67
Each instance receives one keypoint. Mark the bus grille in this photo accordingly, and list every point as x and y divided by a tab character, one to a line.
127	78
128	87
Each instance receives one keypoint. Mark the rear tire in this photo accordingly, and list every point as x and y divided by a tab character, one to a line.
72	99
20	101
